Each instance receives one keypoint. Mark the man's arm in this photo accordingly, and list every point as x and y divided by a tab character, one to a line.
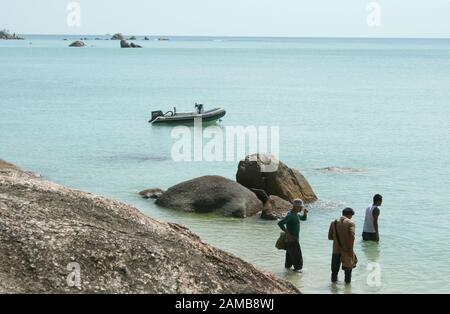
352	230
376	214
330	232
282	223
305	215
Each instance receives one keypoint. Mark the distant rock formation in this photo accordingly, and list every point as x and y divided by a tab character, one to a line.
212	194
126	44
339	170
132	38
5	34
77	43
285	182
146	38
49	232
118	36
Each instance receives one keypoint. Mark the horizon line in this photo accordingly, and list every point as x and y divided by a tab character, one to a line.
238	36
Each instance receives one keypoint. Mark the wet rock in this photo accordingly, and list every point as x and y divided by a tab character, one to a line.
118	36
133	45
77	43
126	44
275	208
151	193
4	34
212	194
282	181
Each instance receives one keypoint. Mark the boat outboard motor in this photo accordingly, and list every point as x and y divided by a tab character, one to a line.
156	114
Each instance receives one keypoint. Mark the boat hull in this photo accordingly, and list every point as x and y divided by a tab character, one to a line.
208	116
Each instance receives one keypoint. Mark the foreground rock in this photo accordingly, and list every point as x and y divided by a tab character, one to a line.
212	194
4	165
151	193
44	227
285	182
126	44
118	36
277	210
77	43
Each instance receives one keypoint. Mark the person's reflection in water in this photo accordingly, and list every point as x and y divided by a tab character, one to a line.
340	288
371	251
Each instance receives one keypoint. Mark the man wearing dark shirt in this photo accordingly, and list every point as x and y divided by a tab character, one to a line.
291	225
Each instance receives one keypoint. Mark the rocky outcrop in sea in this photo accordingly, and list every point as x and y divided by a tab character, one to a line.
77	43
282	181
212	194
4	34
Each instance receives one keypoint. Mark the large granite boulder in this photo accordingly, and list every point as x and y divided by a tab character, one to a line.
118	36
58	240
282	181
126	44
212	194
77	43
5	34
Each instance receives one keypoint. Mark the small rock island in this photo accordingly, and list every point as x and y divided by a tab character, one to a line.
5	34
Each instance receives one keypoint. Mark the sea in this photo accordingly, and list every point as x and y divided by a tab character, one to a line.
375	110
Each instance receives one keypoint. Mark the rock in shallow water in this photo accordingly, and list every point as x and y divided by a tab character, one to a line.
118	36
276	211
285	182
212	194
47	229
126	44
151	193
77	43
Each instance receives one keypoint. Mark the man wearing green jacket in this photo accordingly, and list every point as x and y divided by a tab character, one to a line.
291	225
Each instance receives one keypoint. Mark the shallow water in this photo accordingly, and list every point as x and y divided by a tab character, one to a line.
79	117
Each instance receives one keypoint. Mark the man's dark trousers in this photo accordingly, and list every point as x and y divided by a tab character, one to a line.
293	255
335	265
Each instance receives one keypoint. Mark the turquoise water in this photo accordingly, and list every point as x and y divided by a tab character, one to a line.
79	117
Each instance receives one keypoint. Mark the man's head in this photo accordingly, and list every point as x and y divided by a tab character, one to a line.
297	205
377	200
348	212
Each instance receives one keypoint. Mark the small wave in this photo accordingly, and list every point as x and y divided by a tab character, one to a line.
340	170
327	205
133	157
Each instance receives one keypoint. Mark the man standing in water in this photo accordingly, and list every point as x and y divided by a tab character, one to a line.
291	225
342	233
370	229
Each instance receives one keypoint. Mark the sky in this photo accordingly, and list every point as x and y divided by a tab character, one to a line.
286	18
